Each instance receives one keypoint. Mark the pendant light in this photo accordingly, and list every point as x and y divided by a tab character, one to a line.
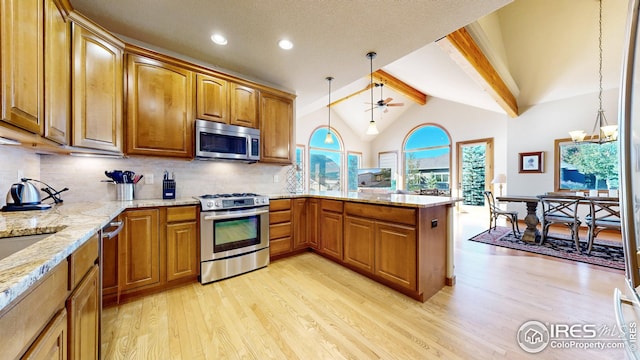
372	129
329	138
602	132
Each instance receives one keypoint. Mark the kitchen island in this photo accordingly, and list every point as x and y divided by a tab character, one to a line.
403	241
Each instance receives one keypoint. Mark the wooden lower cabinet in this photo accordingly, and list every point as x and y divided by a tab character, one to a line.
330	225
157	248
313	211
359	235
61	312
139	249
51	344
395	254
300	224
280	227
83	307
182	243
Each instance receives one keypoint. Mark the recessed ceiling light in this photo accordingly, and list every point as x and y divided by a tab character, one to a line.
219	39
285	44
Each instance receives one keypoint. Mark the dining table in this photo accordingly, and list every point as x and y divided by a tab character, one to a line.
531	233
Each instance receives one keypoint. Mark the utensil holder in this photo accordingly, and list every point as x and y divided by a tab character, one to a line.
124	192
168	189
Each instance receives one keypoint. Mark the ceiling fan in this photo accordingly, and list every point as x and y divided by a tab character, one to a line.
383	103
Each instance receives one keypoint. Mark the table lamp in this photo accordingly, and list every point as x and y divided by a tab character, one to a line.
499	179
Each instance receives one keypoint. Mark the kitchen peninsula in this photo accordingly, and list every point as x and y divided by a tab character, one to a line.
403	241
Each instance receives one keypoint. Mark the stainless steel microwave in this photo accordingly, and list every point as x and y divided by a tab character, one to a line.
226	142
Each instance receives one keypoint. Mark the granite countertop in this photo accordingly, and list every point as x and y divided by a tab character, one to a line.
70	226
394	199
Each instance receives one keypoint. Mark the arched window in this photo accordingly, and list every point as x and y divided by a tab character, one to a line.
427	159
325	161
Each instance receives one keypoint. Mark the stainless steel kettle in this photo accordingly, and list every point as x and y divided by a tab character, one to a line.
23	193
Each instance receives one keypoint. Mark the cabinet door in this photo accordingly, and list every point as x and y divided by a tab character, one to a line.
21	62
300	224
97	91
83	307
312	222
395	254
244	106
51	344
276	129
359	236
331	234
57	75
159	108
182	253
212	99
139	246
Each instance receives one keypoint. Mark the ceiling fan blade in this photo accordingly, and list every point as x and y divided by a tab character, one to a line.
386	110
387	100
396	104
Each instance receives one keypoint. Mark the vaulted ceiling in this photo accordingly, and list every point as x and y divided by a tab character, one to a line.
542	50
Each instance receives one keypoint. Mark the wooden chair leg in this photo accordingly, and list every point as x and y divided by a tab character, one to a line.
576	237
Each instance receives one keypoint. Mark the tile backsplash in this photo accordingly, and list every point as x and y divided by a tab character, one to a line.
83	175
16	162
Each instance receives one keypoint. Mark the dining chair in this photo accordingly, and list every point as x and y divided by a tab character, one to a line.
603	214
495	212
560	209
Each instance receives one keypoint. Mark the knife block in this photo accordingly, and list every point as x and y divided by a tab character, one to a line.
168	189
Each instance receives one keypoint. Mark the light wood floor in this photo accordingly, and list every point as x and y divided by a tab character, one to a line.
307	307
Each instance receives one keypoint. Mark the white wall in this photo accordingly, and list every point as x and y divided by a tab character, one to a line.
537	128
462	122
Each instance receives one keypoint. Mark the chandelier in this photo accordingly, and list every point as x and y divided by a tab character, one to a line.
602	132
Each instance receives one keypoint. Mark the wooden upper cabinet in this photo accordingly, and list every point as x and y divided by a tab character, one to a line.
22	58
159	108
97	90
244	105
212	99
57	76
276	129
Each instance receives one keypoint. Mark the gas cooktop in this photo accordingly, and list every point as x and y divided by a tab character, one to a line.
211	202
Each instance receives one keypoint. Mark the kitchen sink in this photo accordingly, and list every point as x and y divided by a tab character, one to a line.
10	245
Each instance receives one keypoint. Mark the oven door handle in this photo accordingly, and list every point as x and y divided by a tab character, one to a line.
236	214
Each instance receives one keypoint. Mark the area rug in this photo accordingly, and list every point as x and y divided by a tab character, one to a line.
604	253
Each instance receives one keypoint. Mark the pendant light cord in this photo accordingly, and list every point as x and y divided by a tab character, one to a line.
600	53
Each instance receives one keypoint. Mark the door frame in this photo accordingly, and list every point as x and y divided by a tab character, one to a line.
489	163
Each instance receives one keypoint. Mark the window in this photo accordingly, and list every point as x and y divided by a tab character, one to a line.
353	164
325	162
427	158
586	166
299	169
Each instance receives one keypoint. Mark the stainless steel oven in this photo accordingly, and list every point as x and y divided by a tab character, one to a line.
234	235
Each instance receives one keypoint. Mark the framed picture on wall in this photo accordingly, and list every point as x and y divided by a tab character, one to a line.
531	162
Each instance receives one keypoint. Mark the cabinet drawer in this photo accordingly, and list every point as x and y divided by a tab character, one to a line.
82	260
280	246
277	217
279	230
331	205
384	213
181	213
280	204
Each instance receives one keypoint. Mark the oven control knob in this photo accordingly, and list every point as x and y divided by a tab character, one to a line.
218	203
209	204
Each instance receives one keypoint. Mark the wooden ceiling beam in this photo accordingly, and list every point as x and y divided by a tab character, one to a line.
400	86
467	54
